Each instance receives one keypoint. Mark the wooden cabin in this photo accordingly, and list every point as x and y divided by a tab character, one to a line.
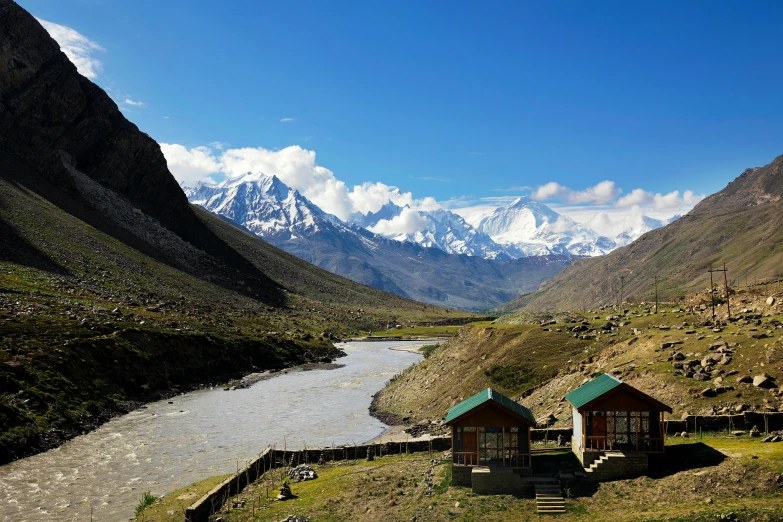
492	432
612	417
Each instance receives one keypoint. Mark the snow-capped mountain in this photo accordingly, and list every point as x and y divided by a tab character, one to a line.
527	228
638	228
440	229
273	211
264	205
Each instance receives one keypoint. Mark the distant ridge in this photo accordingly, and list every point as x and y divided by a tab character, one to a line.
741	226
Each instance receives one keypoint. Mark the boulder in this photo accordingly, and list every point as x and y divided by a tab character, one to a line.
708	392
302	472
754	432
745	378
285	492
763	381
770	300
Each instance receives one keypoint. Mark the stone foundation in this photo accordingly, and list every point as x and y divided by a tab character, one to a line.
496	481
616	465
460	475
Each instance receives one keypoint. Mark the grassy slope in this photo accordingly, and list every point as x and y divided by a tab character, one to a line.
68	360
740	226
722	471
539	364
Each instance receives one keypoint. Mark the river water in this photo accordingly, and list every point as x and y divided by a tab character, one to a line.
204	433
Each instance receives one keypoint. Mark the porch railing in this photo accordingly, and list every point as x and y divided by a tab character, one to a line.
595	443
464	458
517	460
602	443
650	444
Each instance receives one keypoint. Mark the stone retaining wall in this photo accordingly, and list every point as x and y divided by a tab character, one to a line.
742	421
202	509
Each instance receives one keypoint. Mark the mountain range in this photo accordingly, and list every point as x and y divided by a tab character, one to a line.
266	207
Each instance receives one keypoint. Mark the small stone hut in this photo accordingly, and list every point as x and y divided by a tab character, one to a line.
614	420
490	440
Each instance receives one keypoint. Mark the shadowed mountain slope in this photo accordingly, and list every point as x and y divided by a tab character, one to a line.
114	290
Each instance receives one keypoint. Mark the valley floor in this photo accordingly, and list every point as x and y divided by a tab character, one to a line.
714	478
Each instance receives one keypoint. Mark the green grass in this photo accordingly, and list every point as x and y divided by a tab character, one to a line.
418	331
428	349
171	507
395	488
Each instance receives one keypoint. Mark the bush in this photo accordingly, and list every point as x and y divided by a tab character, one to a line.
147	499
428	349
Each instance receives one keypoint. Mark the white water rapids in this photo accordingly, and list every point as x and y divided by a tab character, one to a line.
204	433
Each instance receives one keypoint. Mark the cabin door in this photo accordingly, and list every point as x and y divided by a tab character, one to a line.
470	445
598	424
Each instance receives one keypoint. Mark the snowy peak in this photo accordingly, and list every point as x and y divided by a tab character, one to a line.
263	204
436	228
527	227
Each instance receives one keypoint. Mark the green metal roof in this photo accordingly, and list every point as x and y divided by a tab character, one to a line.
488	395
592	390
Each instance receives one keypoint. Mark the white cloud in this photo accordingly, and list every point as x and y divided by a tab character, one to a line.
297	167
636	197
370	197
77	47
549	191
408	222
132	103
190	166
601	193
287	120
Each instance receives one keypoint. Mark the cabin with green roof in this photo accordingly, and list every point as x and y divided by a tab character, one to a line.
614	420
490	435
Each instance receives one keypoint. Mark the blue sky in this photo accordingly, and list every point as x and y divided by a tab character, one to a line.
463	102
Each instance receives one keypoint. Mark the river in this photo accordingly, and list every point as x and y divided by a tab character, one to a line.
172	443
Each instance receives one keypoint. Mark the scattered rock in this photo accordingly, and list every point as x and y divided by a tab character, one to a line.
763	381
770	300
708	392
738	433
285	492
302	472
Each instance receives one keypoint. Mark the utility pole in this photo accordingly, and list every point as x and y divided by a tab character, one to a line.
712	297
656	293
726	287
622	288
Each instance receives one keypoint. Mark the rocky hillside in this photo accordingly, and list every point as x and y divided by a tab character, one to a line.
115	290
739	226
679	356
